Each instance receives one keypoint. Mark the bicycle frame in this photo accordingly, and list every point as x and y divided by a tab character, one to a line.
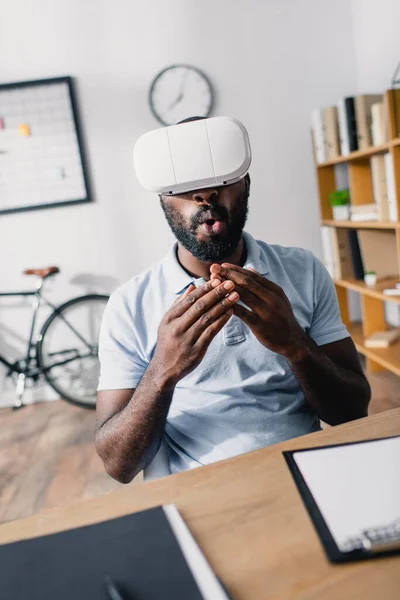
22	366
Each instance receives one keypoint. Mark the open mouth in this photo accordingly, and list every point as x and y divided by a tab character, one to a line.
213	226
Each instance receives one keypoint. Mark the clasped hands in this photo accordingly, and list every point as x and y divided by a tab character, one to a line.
271	318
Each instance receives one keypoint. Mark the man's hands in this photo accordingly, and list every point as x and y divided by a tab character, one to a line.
195	318
131	423
190	325
271	318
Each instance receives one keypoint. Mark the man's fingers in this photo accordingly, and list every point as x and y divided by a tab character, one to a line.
248	285
206	308
211	331
185	293
181	303
232	272
199	298
202	322
258	305
246	315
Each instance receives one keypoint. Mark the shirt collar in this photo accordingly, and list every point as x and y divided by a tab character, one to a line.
178	279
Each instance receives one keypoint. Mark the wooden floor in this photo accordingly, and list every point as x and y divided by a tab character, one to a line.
47	458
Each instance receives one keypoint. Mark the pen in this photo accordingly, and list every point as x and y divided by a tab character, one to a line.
112	590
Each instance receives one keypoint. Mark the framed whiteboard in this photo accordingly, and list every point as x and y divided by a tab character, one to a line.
42	161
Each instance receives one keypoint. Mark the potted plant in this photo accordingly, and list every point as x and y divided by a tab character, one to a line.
370	278
340	202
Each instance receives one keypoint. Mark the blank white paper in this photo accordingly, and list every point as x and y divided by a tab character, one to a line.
356	487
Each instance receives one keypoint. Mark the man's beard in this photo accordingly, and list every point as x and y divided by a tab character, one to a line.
215	248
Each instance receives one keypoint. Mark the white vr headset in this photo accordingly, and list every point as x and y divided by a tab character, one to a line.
192	156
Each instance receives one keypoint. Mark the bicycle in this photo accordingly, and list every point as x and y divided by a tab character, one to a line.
65	352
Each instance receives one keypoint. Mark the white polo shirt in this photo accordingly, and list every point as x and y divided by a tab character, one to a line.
242	396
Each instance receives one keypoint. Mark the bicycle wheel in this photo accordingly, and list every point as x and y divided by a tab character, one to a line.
67	350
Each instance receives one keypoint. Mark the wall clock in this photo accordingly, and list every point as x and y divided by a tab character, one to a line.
179	92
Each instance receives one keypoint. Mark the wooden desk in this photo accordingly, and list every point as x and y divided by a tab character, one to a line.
248	518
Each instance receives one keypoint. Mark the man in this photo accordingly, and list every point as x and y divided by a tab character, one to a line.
226	345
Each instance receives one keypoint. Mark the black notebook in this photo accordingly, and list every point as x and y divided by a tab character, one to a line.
149	555
352	494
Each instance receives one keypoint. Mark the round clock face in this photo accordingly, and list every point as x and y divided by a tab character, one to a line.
180	92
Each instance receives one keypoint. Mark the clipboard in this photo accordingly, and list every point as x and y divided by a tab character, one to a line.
380	536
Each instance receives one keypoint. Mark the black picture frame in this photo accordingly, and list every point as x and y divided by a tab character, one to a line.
70	82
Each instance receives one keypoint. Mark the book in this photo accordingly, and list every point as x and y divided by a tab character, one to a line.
343	132
331	132
371	207
391	101
343	266
379	252
342	181
327	250
317	127
347	125
378	124
379	187
362	107
356	258
364	212
352	495
391	189
150	554
382	339
372	216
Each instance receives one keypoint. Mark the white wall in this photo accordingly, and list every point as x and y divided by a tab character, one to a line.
376	31
271	62
376	43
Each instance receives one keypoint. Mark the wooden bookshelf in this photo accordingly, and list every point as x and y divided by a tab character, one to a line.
362	224
387	358
372	298
375	291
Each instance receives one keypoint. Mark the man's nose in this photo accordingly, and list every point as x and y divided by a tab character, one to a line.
207	196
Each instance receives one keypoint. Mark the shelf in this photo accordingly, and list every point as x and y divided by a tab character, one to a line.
373	291
389	358
360	154
363	224
358	171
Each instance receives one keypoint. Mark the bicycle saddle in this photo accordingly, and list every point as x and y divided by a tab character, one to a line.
43	273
